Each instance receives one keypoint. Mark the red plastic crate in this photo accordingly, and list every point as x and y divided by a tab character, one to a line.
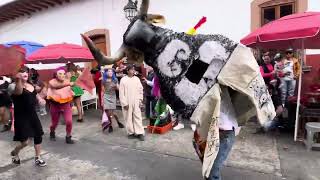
160	130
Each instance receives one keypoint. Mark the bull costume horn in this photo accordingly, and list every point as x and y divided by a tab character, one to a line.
144	7
99	56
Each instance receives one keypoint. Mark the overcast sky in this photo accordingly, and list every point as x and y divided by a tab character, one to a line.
2	2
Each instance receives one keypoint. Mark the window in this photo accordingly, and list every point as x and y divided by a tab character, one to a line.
270	13
286	10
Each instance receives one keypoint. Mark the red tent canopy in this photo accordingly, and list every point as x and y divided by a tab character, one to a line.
11	59
60	53
287	32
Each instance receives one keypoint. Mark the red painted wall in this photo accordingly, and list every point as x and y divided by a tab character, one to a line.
311	77
46	75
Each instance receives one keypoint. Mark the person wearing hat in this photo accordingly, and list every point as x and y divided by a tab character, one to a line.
131	96
296	63
288	70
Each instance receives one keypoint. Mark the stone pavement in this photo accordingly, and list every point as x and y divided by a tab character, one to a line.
98	155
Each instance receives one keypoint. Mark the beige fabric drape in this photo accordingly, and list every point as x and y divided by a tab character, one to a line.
250	97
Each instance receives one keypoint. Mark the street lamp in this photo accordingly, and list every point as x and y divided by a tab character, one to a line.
130	9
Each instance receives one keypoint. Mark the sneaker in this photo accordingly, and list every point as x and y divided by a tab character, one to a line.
110	129
131	136
39	162
69	140
52	136
140	137
179	126
193	127
80	120
120	125
15	158
43	113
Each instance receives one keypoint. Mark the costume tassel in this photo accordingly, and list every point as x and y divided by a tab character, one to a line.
193	30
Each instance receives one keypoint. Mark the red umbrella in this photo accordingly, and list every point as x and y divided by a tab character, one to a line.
60	53
300	31
288	31
11	59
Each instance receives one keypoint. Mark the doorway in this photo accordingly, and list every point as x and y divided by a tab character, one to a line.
100	38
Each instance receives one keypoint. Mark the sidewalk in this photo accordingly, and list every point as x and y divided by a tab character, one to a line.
98	155
296	161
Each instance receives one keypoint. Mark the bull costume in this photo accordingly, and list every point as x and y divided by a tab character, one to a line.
195	72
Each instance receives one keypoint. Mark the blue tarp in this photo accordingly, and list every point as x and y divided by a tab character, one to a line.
30	47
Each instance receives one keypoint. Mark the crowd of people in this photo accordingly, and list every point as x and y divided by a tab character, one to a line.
122	84
280	74
28	98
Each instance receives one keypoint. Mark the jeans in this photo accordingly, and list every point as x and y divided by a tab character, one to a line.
150	105
227	139
287	89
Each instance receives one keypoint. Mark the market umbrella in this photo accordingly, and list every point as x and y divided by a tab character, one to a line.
30	47
11	59
60	53
299	31
288	31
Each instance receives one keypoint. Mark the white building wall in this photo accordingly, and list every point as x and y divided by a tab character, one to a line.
314	5
55	25
65	23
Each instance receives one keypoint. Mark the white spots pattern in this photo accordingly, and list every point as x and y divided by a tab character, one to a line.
211	50
177	53
169	61
190	92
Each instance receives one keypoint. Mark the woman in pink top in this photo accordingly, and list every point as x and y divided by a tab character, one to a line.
266	69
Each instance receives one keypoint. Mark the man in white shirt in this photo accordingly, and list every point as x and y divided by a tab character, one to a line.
228	127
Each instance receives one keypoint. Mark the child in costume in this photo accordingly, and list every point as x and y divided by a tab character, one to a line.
131	96
27	124
110	85
78	92
60	96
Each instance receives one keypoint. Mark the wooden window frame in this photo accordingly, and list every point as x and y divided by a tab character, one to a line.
276	5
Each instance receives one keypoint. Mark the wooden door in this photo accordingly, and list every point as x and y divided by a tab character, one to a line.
100	42
101	39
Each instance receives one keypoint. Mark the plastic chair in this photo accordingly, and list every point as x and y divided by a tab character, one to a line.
312	128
